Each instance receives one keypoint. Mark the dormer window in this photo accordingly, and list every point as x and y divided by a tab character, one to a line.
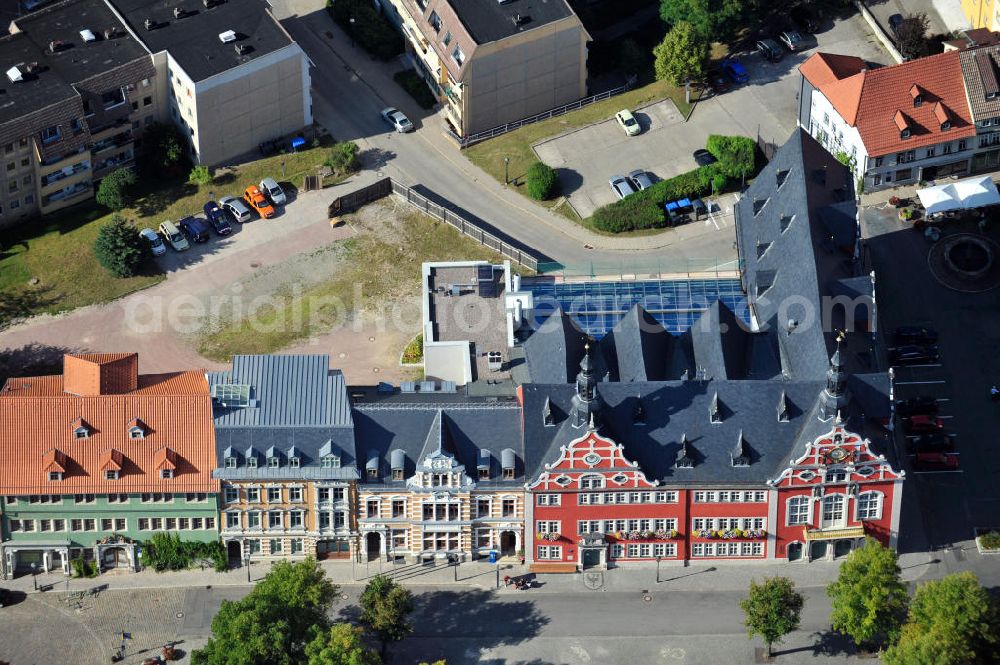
508	473
330	462
507	460
166	474
484	474
55	476
293	462
992	94
136	432
81	432
905	134
230	462
397	474
373	473
111	474
272	462
946	125
917	94
252	462
715	410
918	100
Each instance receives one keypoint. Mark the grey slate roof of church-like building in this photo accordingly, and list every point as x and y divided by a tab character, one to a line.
462	428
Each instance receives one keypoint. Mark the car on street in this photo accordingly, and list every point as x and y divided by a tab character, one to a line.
717	80
806	18
640	179
218	218
769	50
253	197
895	22
173	236
792	40
396	118
236	208
932	442
628	122
735	71
153	241
195	229
917	406
913	354
4	597
703	157
273	191
936	462
918	424
915	335
621	186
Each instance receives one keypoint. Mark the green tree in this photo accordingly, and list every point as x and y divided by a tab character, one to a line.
201	175
772	609
115	189
385	606
713	20
911	36
541	181
342	644
274	622
681	55
869	598
343	158
162	148
119	248
952	621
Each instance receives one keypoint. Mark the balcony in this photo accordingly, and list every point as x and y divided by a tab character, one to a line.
101	168
64	173
66	196
113	141
55	159
108	128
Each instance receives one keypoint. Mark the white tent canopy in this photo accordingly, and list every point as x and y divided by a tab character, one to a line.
960	195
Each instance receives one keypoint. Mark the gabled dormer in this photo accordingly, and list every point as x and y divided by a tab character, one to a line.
903	124
943	115
548	418
165	463
229	458
917	94
329	457
54	464
252	457
294	457
783	415
715	410
80	429
137	429
111	465
273	456
685	454
740	455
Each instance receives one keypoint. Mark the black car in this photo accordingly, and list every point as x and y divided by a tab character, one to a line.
932	442
718	80
915	335
770	50
917	406
913	354
805	18
218	218
195	229
4	597
703	157
895	21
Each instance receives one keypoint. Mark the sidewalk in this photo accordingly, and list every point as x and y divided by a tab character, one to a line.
724	575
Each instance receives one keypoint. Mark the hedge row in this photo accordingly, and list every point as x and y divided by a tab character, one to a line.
372	31
645	209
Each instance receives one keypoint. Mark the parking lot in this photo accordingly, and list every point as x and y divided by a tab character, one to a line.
585	159
951	504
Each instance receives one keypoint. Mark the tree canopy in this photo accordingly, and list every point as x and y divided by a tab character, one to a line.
911	36
952	621
385	607
772	609
342	644
681	55
869	598
114	192
119	248
713	20
273	624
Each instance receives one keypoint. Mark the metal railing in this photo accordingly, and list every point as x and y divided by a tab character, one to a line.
471	139
354	200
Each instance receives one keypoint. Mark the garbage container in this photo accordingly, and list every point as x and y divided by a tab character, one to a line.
493	556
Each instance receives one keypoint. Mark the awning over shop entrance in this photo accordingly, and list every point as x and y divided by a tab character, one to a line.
960	195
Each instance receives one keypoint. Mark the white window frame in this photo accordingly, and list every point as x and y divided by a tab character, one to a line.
833	504
796	513
591	481
869	512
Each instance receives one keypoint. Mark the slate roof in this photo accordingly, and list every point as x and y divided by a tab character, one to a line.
490	21
877	101
463	428
554	350
193	40
38	90
980	67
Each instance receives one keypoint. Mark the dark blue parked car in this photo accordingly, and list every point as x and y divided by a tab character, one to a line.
218	218
195	229
736	71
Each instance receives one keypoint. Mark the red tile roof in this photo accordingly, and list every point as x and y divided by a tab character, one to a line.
36	434
875	100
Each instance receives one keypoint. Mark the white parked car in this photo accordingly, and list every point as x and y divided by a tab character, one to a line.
396	118
154	242
273	191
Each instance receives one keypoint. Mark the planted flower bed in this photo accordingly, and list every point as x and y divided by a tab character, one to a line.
732	534
659	534
988	541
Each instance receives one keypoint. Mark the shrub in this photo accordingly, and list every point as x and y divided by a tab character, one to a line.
541	181
718	183
343	158
990	541
168	552
114	190
83	568
201	175
119	248
644	209
735	154
370	29
414	351
410	81
163	147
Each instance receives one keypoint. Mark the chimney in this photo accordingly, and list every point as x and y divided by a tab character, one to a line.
149	24
100	373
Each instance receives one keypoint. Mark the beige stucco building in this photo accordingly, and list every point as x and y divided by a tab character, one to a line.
492	62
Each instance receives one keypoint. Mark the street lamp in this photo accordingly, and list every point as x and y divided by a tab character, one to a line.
246	561
658	569
352	31
34	572
506	171
453	560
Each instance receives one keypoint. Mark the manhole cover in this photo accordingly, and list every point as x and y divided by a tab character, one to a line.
343	596
342	355
371	339
647	598
180	615
375	369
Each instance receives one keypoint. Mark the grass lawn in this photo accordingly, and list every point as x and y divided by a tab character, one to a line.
57	249
381	260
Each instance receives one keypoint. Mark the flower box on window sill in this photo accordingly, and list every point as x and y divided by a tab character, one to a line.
659	534
552	537
732	534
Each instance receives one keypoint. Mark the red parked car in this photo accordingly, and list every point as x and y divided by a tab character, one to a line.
936	462
922	423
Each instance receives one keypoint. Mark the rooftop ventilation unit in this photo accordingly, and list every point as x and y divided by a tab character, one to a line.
227	37
110	33
88	36
179	13
150	24
14	74
55	46
240	49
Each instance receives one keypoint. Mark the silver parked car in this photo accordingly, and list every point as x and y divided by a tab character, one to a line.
640	179
236	208
153	241
621	186
396	118
273	191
